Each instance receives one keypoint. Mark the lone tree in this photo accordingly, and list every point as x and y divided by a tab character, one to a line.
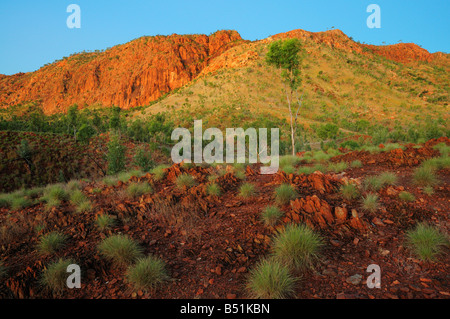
287	56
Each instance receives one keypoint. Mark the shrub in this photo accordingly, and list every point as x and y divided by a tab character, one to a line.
349	191
115	155
270	279
356	164
143	160
425	176
120	249
284	194
213	189
138	189
270	215
370	202
55	275
51	242
247	190
185	180
407	197
297	246
104	221
426	242
147	273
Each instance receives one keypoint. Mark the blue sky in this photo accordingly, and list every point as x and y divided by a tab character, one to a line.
35	32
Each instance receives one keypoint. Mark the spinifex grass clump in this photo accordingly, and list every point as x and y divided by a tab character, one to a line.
271	279
159	172
349	191
147	273
298	246
356	164
406	196
213	189
370	202
247	190
136	189
372	183
284	194
425	175
270	215
104	222
185	180
54	277
388	178
54	195
51	242
337	167
120	249
81	201
427	242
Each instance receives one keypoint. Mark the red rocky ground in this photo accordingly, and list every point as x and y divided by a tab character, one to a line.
210	243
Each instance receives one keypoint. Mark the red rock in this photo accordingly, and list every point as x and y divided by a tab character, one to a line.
231	296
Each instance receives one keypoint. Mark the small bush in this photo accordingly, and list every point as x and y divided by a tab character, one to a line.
213	189
337	167
289	160
159	172
388	178
426	242
51	242
297	246
185	180
138	189
356	164
425	176
305	170
120	249
104	221
270	215
407	197
349	191
147	273
372	183
270	279
55	275
284	194
370	202
247	190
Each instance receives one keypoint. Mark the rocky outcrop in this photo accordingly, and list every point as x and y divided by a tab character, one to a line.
128	75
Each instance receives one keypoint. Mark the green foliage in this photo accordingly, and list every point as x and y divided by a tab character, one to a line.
104	221
270	215
327	131
426	242
143	160
284	194
297	247
51	242
147	273
54	277
425	176
349	191
159	172
115	156
247	190
213	189
356	164
120	249
136	189
270	279
337	167
185	180
370	202
406	196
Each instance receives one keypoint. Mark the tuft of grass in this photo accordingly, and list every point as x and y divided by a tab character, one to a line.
81	201
284	194
370	202
20	203
104	221
388	178
240	174
73	185
288	169
185	180
51	242
349	191
298	246
270	215
120	249
428	190
110	180
372	183
392	146
356	164
305	170
159	172
247	190
425	176
337	167
270	279
289	160
136	189
147	273
213	189
406	196
443	149
426	242
53	195
54	277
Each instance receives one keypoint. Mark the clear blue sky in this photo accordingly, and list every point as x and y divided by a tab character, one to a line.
33	32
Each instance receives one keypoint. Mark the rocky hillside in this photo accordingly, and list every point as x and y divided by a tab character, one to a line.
142	70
